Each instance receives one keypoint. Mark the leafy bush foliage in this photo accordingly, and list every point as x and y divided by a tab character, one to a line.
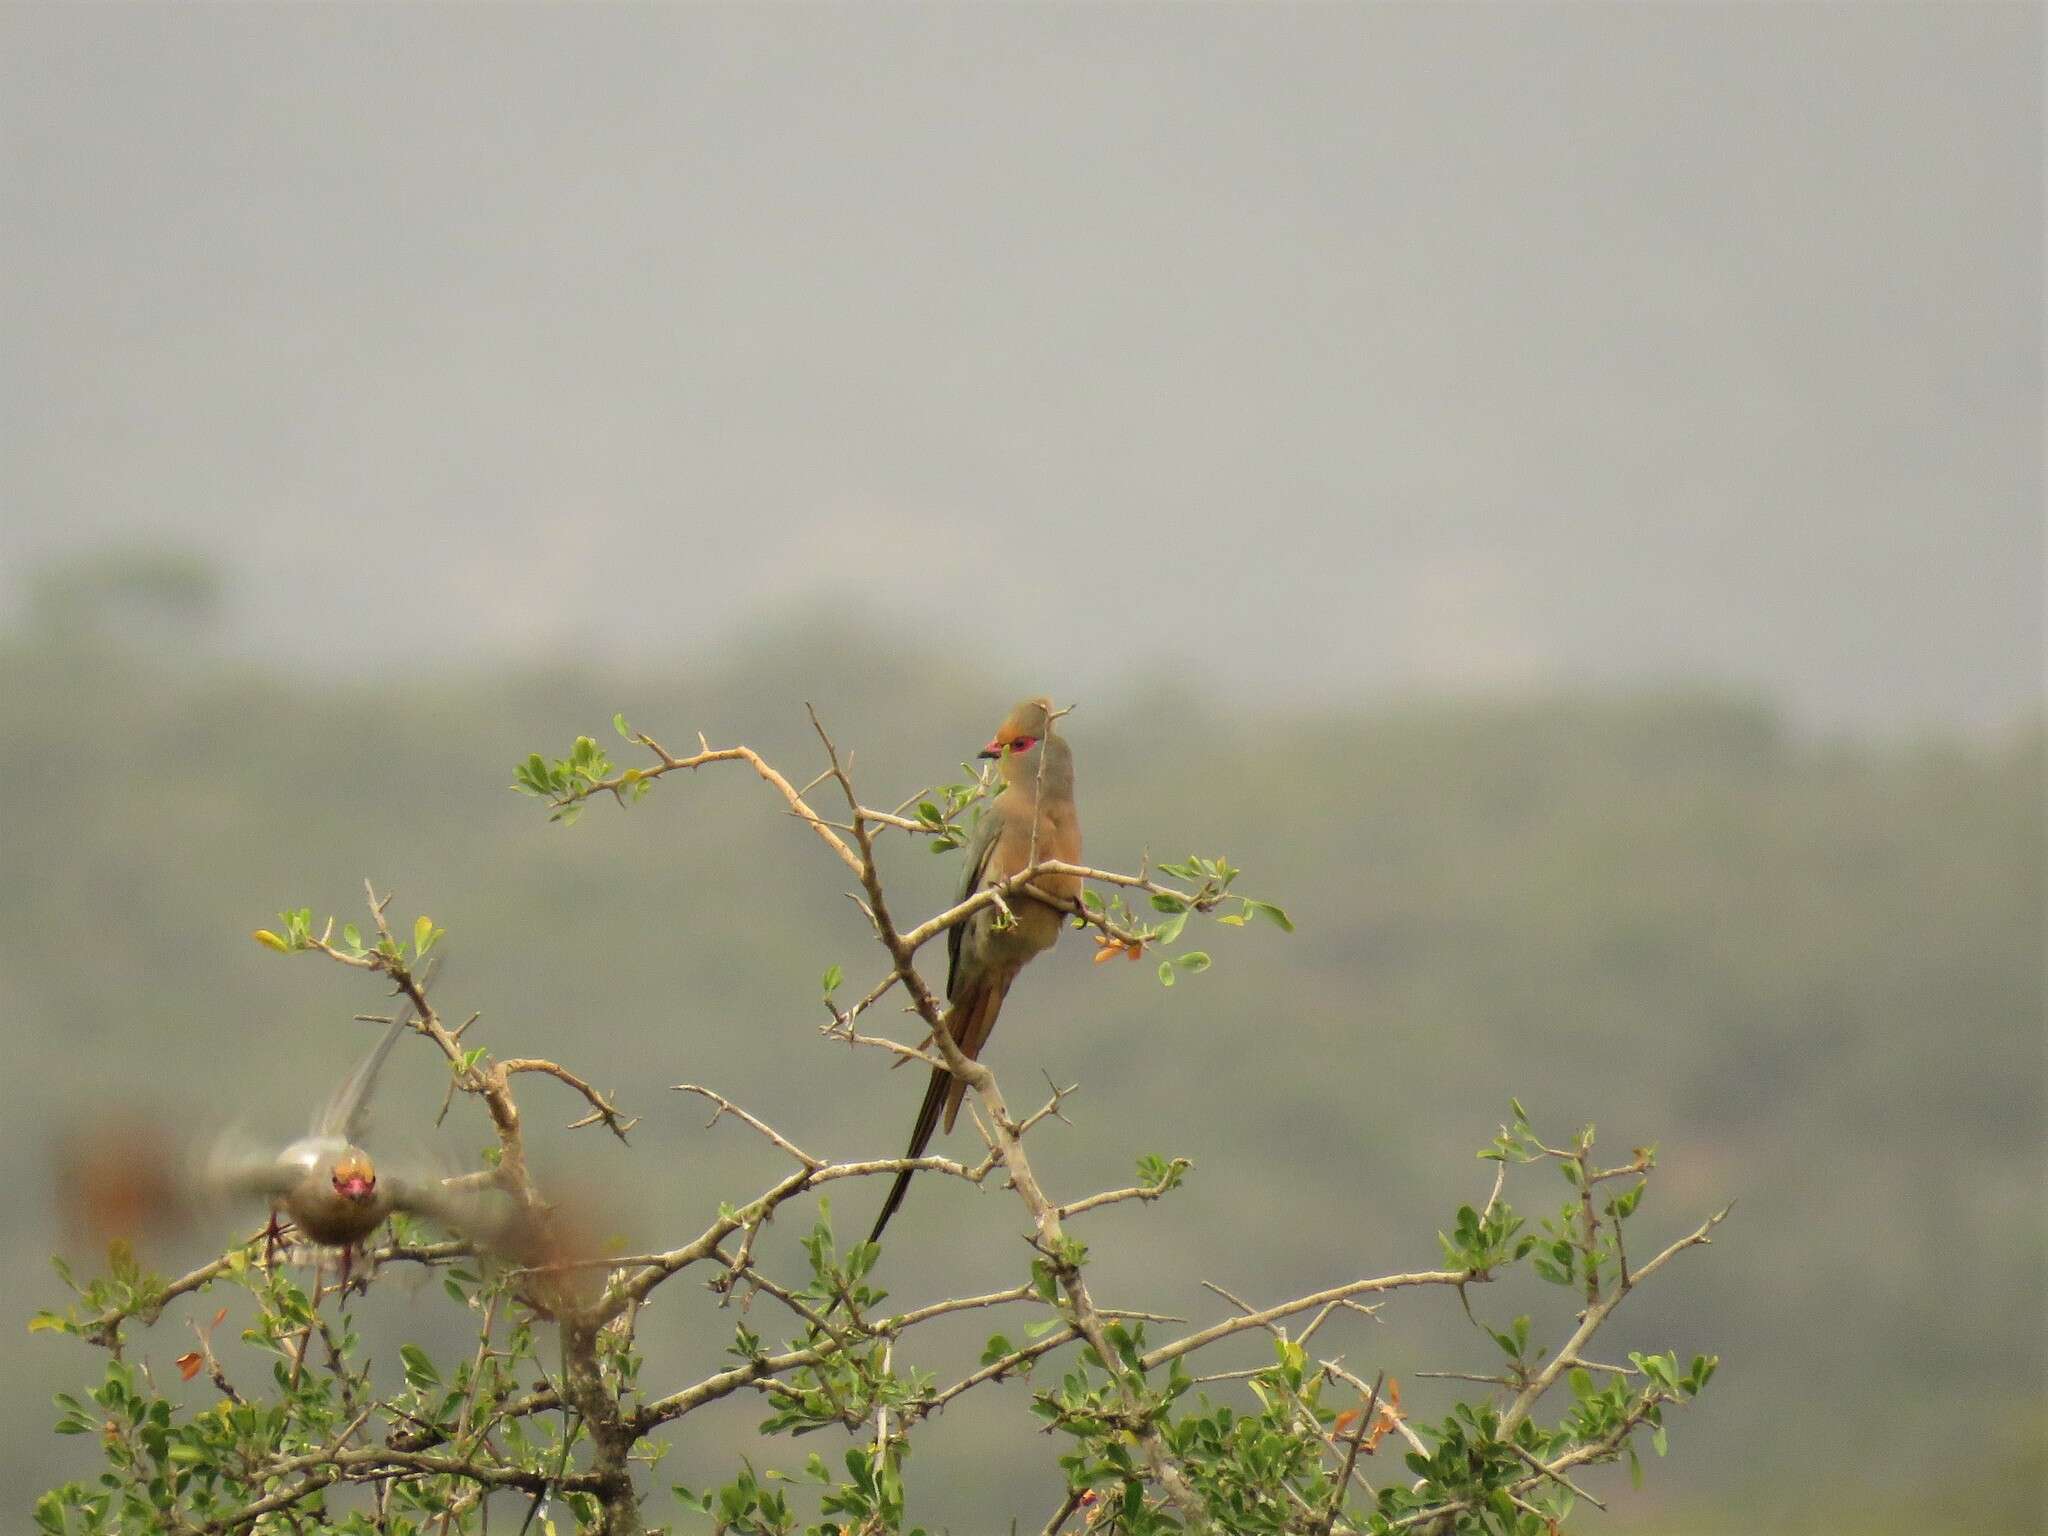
551	1412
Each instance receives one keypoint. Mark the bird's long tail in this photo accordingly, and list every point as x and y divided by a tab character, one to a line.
969	1020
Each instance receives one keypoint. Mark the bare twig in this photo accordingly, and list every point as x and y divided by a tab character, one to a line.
727	1107
1228	1326
669	763
601	1109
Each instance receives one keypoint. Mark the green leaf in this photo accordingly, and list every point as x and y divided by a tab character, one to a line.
1270	913
1166	973
619	724
1193	961
420	1374
833	976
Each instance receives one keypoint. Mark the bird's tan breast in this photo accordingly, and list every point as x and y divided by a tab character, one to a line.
1059	837
331	1219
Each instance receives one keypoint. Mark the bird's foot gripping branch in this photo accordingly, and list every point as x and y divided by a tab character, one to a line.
238	1397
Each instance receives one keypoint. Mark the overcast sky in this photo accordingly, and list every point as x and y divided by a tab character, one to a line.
1322	350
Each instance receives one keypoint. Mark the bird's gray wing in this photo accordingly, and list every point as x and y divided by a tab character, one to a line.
343	1115
474	1216
980	847
235	1170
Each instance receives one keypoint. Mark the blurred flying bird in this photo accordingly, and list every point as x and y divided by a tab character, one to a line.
1031	820
325	1182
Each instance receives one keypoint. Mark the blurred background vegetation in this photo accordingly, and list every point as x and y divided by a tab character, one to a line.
1808	967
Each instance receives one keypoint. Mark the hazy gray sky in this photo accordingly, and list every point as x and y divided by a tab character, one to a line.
1324	349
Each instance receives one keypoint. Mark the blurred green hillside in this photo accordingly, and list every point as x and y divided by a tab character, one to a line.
1810	970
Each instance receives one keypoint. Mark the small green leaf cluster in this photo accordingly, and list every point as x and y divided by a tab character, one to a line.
1480	1242
1104	1415
1610	1412
1472	1466
1161	1175
566	782
297	923
1214	877
125	1290
1484	1479
939	809
1581	1245
1264	1471
389	949
871	1499
848	1387
1211	879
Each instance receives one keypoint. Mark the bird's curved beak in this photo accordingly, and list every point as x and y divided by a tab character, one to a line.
993	749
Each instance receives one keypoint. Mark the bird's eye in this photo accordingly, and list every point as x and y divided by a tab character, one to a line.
1023	743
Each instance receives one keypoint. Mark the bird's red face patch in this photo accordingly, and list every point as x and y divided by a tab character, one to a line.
354	1178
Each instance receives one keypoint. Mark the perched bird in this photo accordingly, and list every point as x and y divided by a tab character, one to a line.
1032	819
325	1182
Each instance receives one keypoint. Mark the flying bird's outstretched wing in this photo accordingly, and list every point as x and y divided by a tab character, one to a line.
344	1115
